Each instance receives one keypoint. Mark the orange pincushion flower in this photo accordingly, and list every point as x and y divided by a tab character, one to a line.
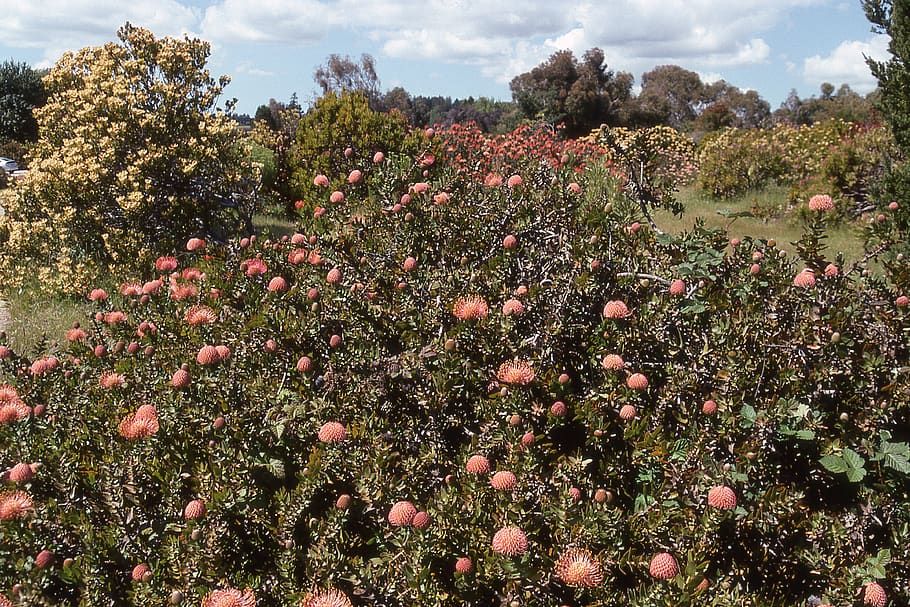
722	497
637	381
111	379
195	244
628	412
304	364
678	287
13	410
504	481
229	597
166	264
874	595
470	308
21	473
97	295
513	306
464	565
709	407
181	378
44	559
664	566
510	541
332	432
15	504
578	568
76	334
515	372
254	267
804	279
278	284
208	355
194	510
326	598
821	202
224	353
616	309
421	520
199	315
478	464
139	572
131	289
333	276
612	362
402	514
112	318
141	424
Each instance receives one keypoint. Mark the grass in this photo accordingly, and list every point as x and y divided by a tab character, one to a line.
770	220
35	320
273	226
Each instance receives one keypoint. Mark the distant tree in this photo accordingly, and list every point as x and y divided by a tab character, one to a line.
264	114
581	95
21	91
339	74
845	104
670	95
746	109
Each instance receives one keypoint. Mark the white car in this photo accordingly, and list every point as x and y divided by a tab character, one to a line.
8	164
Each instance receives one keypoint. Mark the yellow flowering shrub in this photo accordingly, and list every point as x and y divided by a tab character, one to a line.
133	158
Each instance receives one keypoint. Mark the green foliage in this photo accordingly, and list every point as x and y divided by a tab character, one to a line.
340	122
807	382
133	159
21	92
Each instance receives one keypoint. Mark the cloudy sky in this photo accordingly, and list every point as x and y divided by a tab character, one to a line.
459	48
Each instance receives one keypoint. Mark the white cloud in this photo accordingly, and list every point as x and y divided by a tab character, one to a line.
284	21
247	67
72	24
846	64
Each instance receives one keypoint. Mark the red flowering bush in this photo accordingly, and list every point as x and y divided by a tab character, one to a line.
397	435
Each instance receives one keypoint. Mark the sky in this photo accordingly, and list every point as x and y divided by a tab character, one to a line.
462	48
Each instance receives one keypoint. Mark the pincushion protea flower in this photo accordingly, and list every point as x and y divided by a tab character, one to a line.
11	406
332	432
111	379
229	597
421	520
181	378
804	279
464	565
503	480
477	464
616	309
402	513
628	412
664	566
637	381
510	541
677	287
874	595
326	598
141	424
512	306
20	473
199	315
578	568
612	362
15	504
722	497
821	202
515	372
470	308
44	559
194	510
208	355
139	572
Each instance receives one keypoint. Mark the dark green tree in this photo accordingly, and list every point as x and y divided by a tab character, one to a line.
892	17
21	91
582	95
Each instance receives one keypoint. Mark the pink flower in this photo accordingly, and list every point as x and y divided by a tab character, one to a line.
321	181
821	202
355	176
336	197
514	181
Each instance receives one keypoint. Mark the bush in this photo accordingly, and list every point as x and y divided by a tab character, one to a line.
132	159
621	376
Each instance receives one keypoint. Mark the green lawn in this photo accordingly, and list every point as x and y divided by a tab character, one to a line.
770	221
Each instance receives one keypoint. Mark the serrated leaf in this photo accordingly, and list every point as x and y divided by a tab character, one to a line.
897	462
855	475
834	463
853	460
748	414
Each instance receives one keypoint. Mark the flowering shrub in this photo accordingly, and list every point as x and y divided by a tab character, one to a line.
133	158
353	415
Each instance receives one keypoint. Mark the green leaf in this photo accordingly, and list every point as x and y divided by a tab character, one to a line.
834	463
805	435
749	415
855	475
853	459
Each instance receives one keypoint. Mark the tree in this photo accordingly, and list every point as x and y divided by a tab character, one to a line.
581	95
133	159
344	74
670	95
21	91
893	18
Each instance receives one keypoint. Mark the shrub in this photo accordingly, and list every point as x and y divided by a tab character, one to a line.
327	428
132	160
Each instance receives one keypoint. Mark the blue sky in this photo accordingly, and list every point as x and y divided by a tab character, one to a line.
460	48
